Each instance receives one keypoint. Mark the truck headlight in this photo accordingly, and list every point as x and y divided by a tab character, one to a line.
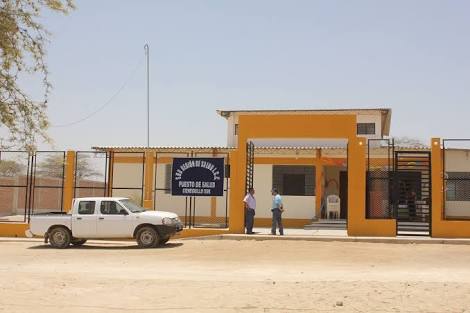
168	221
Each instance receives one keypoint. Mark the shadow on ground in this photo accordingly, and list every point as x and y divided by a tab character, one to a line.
107	247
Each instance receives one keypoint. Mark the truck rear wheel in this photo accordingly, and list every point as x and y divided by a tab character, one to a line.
60	238
147	237
78	242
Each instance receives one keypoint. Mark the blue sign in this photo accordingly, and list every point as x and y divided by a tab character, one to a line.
198	177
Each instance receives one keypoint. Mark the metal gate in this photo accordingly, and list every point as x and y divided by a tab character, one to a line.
250	165
412	192
379	204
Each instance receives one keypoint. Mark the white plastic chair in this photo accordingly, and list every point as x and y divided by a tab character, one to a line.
333	207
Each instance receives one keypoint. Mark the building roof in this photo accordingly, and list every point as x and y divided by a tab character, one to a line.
386	113
174	149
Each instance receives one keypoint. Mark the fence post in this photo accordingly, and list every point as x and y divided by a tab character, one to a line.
69	180
437	186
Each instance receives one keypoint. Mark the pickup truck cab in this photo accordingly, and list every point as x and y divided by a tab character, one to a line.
105	218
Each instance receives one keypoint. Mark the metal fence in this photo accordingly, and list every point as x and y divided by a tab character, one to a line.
91	174
380	154
30	183
456	168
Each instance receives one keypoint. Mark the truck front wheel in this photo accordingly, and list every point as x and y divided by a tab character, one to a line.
60	238
147	237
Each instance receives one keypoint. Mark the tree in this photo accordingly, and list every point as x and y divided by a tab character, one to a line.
53	166
409	142
10	168
22	52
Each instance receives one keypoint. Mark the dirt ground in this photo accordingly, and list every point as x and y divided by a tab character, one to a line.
235	276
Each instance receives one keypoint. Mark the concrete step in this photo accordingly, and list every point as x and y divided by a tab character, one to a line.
327	225
413	229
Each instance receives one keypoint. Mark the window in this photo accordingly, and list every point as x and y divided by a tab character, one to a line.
86	207
111	208
168	178
235	130
366	128
458	186
294	180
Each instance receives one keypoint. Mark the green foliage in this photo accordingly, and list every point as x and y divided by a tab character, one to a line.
10	168
22	52
53	165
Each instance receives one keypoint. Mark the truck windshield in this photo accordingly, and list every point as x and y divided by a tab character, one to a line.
134	208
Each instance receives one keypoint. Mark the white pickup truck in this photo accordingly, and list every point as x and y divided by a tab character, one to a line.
105	218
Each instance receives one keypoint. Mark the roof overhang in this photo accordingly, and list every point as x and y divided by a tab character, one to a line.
386	114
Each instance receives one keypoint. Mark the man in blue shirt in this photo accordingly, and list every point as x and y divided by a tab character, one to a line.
277	209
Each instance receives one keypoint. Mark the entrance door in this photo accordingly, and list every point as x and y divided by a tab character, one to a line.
412	192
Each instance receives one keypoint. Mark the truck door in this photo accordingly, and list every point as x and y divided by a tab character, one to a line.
84	220
112	223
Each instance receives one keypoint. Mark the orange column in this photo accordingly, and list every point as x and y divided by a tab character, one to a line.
237	191
69	181
437	185
149	180
319	173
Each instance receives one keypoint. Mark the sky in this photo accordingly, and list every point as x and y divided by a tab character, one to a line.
411	56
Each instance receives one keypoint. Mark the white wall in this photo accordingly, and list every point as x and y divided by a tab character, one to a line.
298	207
457	161
231	138
372	118
127	175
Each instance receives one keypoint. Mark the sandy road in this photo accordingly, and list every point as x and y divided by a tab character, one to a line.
235	276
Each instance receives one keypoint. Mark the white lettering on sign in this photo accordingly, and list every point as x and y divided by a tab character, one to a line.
197	163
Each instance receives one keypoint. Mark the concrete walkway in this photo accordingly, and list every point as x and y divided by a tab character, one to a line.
264	234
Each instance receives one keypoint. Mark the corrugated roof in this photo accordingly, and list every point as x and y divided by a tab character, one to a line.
165	148
210	149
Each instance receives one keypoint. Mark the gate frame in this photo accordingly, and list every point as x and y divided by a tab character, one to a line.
27	187
106	176
33	180
395	205
112	163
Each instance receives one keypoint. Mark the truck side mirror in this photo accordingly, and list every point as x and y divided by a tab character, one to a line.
123	212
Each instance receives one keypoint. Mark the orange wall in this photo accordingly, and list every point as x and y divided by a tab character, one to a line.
308	126
358	225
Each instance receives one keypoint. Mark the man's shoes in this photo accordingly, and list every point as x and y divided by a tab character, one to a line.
250	233
273	234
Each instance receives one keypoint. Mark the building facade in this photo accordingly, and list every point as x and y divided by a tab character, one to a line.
327	164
